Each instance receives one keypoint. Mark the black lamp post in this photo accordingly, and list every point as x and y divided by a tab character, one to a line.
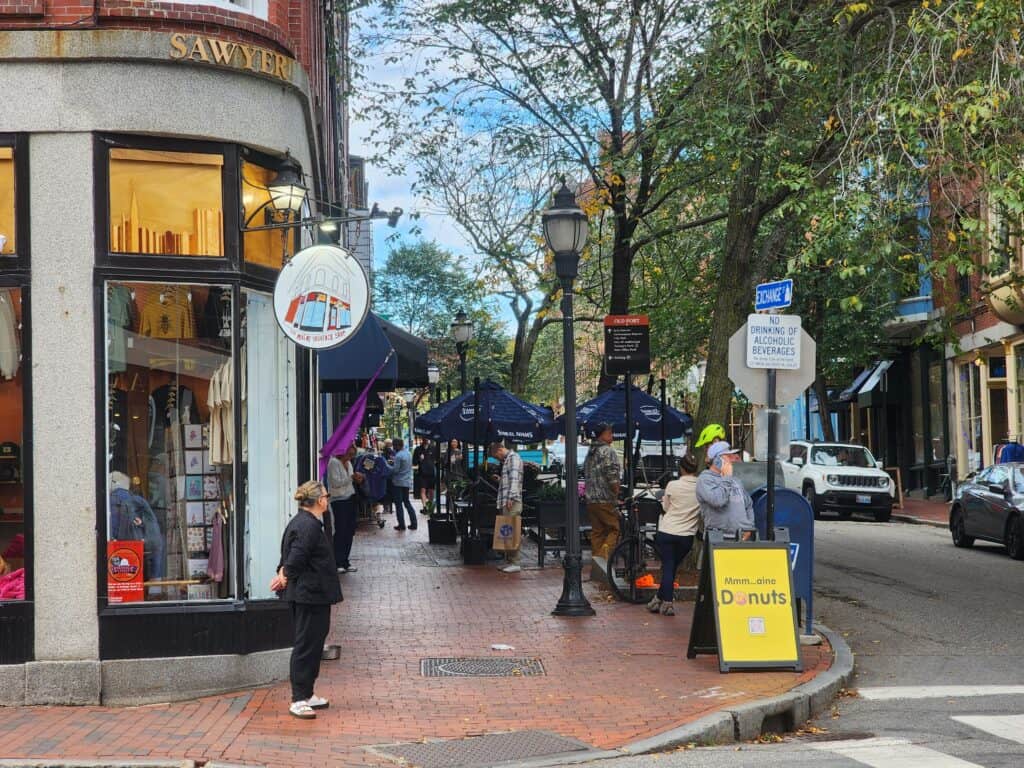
565	231
462	332
434	376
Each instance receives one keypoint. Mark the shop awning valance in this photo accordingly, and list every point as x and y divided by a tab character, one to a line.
347	368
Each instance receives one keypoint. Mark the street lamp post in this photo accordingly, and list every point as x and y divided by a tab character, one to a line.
565	231
434	376
462	332
410	398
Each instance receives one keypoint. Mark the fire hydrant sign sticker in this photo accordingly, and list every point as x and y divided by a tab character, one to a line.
124	571
321	297
773	341
754	605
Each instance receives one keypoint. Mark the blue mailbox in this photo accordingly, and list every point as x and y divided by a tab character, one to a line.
793	512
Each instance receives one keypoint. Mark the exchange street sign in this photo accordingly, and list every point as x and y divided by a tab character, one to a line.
753	382
774	295
773	341
627	344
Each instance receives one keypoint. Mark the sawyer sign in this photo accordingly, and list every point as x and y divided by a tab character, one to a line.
627	344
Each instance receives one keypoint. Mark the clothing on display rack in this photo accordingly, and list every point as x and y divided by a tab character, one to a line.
10	350
1007	452
222	427
121	317
169	315
132	519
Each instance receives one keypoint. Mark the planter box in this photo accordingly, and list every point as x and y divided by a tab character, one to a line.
474	549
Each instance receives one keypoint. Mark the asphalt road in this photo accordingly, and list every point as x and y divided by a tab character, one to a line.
918	614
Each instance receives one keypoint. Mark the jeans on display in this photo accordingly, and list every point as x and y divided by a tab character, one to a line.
400	497
345	514
671	549
311	624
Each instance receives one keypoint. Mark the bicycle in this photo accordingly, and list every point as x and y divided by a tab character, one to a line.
634	567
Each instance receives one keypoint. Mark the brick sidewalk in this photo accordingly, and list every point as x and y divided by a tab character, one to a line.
934	513
612	679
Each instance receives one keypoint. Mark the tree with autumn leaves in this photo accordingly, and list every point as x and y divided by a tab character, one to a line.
723	143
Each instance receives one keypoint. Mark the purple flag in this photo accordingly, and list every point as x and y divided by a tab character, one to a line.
348	428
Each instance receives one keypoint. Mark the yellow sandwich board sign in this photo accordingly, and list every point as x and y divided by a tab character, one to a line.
746	594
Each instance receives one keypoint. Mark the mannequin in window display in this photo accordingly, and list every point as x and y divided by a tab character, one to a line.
132	519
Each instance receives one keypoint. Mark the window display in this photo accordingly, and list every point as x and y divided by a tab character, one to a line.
12	431
170	388
166	203
7	238
269	247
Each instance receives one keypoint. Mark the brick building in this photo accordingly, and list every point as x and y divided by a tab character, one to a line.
153	420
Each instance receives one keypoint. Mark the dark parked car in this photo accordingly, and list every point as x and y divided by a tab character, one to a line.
990	506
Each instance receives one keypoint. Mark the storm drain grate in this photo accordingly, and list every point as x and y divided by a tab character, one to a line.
482	751
496	667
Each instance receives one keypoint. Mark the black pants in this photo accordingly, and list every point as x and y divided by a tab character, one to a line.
344	512
400	497
311	624
671	550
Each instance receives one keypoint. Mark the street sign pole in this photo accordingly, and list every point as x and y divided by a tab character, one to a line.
772	440
628	444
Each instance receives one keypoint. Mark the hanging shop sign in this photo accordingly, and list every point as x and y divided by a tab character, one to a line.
321	297
124	571
211	50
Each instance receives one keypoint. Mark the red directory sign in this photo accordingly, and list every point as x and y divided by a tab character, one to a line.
627	344
124	571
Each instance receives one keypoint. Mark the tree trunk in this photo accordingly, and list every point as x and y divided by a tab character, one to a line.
522	355
622	268
734	298
823	412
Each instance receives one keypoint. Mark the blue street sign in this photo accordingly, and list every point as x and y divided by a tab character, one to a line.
774	295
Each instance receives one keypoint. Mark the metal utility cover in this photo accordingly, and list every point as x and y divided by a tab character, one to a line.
485	667
753	382
483	751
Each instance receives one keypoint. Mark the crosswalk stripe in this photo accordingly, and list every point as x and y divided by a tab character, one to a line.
888	693
892	753
1009	727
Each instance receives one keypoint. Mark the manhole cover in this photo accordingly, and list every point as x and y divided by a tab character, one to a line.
483	751
481	667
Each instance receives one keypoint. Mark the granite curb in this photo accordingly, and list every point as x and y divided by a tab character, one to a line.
919	521
740	723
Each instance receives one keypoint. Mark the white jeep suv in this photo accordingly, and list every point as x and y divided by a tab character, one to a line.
839	477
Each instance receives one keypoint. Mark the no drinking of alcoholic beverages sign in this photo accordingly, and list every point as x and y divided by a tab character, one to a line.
773	341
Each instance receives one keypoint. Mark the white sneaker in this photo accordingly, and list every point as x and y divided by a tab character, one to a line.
302	710
315	702
513	568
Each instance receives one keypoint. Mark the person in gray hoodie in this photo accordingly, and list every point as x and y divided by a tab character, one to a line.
724	504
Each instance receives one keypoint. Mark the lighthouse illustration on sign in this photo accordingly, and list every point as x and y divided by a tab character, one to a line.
321	296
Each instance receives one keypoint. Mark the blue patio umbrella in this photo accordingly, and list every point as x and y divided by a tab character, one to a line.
610	407
501	415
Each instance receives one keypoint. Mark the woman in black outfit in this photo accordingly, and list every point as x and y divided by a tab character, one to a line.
307	577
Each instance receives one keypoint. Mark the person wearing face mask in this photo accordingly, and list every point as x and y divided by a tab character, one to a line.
307	577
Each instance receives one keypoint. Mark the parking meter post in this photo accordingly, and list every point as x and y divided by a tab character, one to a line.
772	440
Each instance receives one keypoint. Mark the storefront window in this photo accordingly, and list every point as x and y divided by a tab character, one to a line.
270	247
167	203
268	438
935	419
12	430
970	413
170	396
7	234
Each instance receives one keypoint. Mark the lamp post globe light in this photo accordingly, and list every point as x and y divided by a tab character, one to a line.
462	332
287	192
565	231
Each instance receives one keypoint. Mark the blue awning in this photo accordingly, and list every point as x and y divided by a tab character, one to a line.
349	366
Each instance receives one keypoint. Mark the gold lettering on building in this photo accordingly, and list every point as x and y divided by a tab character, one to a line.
236	55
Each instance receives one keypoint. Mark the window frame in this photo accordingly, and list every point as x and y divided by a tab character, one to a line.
20	260
229	205
248	155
